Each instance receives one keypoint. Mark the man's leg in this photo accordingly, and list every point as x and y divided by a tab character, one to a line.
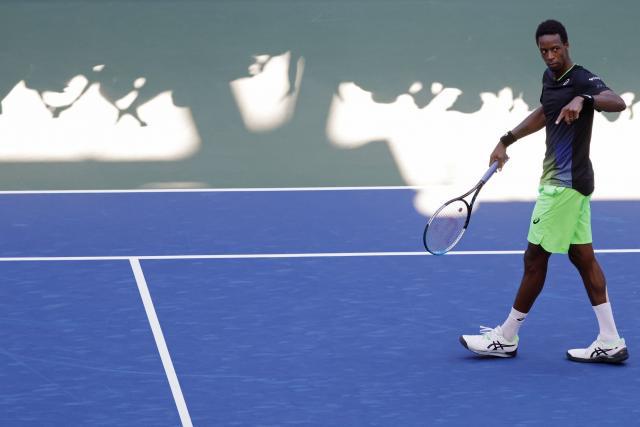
608	347
502	341
536	260
584	259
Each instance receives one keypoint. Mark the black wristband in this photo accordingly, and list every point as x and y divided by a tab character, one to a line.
588	100
508	138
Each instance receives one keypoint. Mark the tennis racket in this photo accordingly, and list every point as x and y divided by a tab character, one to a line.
447	225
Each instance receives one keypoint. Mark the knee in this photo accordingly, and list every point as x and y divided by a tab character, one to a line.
574	258
581	259
535	261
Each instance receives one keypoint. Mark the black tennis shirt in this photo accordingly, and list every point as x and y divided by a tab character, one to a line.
566	160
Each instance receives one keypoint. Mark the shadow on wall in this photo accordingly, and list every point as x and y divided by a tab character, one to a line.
444	151
156	94
82	122
436	148
267	99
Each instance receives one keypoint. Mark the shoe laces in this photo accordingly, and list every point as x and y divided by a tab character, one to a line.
599	342
489	333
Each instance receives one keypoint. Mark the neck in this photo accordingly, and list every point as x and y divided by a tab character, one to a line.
558	74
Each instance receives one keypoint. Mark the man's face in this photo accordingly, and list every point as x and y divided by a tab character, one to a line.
554	53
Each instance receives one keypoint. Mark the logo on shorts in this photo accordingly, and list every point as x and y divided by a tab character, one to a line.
536	220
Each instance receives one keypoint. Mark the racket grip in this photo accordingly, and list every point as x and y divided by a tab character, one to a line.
492	169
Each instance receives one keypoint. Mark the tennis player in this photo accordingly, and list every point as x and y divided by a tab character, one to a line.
561	219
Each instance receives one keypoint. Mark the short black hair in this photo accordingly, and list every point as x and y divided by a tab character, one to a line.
551	26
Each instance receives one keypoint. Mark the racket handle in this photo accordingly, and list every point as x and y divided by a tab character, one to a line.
492	169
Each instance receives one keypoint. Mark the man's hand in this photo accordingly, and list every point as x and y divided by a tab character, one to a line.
571	112
500	154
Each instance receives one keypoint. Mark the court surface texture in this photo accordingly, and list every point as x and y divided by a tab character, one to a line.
297	307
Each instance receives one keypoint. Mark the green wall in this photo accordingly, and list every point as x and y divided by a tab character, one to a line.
194	49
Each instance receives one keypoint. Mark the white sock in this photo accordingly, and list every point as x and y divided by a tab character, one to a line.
608	331
511	326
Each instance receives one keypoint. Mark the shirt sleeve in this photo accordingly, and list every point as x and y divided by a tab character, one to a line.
591	84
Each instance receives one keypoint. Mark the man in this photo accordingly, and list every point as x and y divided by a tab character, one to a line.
561	219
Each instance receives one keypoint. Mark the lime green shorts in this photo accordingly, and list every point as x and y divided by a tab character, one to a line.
561	217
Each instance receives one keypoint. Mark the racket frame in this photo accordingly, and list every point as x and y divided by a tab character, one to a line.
492	169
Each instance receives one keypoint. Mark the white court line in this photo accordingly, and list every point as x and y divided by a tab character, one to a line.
215	190
263	190
161	343
283	255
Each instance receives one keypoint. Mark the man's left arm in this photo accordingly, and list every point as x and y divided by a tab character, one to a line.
606	100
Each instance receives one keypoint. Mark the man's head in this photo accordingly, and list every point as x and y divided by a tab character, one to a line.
553	42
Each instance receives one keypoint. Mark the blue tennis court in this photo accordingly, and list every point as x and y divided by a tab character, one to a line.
299	307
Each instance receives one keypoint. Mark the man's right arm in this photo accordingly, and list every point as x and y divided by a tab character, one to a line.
532	123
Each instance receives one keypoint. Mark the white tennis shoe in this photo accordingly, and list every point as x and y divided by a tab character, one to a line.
490	342
600	352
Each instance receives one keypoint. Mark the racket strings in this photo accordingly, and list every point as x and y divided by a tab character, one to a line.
446	227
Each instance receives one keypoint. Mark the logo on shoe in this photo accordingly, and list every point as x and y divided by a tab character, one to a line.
495	345
536	220
598	351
